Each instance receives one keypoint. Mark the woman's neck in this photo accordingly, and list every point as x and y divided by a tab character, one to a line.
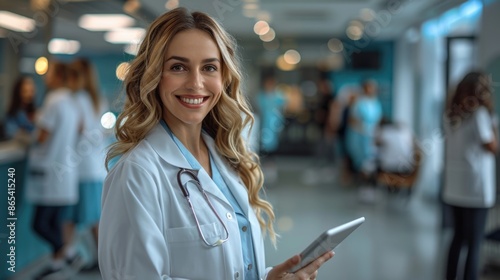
190	137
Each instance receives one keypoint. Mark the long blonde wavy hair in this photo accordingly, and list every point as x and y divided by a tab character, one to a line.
226	121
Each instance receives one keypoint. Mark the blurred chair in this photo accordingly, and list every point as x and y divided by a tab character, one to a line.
396	181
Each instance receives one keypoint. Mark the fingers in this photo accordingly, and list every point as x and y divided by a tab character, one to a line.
308	272
315	265
287	265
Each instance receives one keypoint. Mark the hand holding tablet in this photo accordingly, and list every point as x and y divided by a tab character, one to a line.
326	242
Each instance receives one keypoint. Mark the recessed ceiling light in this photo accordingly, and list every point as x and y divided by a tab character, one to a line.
261	27
105	22
335	45
292	57
125	35
41	65
16	22
63	46
108	120
172	4
269	36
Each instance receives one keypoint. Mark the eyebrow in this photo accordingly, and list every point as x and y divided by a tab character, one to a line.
184	59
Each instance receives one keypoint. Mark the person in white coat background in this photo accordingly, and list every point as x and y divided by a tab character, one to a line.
470	181
182	201
90	152
52	184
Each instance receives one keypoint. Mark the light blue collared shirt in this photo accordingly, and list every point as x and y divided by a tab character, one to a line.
243	223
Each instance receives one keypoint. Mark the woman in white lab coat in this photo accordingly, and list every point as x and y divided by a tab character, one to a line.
181	124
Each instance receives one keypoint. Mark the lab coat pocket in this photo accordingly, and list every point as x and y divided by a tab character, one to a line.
190	257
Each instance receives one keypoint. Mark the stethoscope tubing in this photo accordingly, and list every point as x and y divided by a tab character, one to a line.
185	192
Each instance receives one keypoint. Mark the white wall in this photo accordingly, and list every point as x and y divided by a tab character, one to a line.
404	83
489	36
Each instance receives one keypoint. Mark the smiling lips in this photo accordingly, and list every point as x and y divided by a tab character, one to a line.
193	100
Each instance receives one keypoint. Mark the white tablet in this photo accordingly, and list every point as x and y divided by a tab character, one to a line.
326	242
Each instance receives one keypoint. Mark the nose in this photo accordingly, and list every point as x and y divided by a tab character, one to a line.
194	81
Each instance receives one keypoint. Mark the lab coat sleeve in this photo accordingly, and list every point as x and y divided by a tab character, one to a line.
484	125
131	243
268	269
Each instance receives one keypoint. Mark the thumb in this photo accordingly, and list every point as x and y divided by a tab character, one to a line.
288	264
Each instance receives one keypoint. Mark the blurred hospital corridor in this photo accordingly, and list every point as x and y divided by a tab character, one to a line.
383	109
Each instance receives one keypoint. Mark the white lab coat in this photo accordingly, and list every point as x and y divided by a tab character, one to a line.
147	230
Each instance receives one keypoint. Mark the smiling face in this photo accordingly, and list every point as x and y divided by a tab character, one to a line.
191	82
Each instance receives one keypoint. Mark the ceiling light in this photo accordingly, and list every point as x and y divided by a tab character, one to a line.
125	35
354	32
261	27
269	36
283	65
292	57
16	22
63	46
108	120
131	6
41	65
122	70
335	45
172	4
39	5
105	22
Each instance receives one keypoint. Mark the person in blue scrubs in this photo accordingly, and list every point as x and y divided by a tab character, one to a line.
365	116
271	102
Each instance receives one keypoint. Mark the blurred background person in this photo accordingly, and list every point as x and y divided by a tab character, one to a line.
20	116
469	186
271	103
53	179
91	169
364	117
339	119
325	149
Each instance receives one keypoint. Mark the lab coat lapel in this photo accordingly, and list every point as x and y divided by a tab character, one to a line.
229	175
211	188
240	192
166	148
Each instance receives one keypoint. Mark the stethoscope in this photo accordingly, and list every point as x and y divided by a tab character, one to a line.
194	179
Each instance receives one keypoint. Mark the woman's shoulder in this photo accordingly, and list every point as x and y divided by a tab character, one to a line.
142	155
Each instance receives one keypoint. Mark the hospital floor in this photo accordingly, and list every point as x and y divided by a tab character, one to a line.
402	238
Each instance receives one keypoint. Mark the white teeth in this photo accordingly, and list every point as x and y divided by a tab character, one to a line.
192	100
